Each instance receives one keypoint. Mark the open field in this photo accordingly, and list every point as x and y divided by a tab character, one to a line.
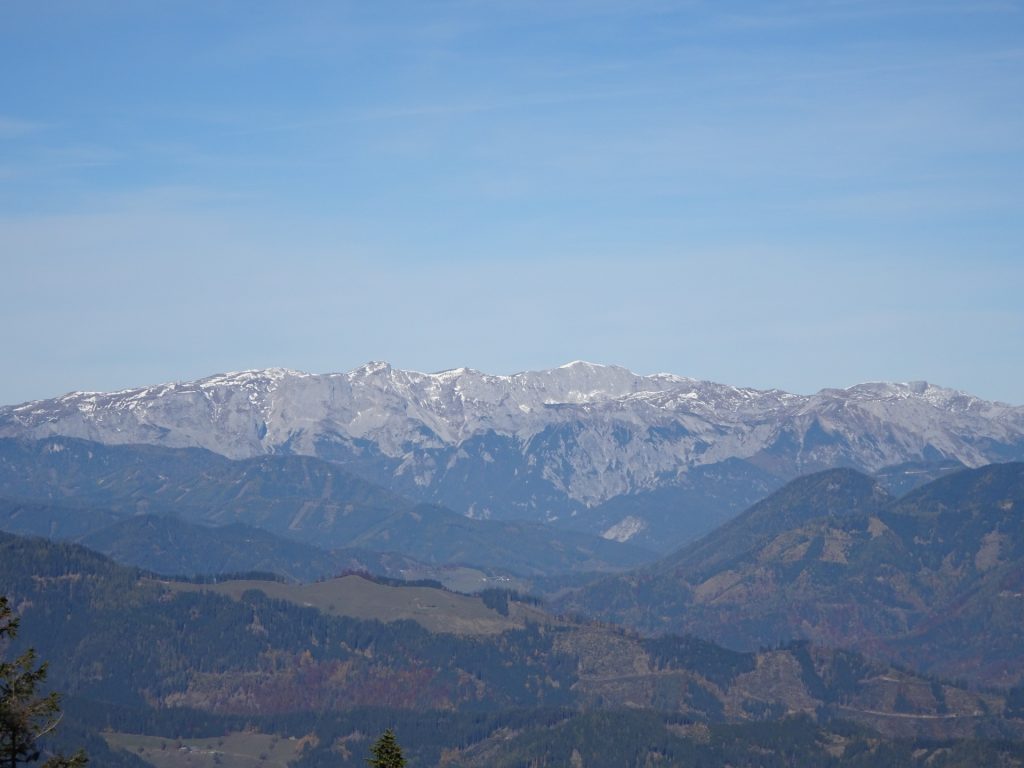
461	578
435	609
234	750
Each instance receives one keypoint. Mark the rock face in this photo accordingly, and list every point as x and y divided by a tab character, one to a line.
577	444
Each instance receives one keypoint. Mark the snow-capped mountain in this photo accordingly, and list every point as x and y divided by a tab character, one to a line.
599	447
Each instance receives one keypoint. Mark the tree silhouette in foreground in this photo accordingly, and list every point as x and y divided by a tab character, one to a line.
26	716
386	752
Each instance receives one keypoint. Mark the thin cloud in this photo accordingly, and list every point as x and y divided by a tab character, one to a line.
441	110
831	13
13	128
81	156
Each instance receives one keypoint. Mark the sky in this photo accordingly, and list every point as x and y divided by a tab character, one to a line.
772	194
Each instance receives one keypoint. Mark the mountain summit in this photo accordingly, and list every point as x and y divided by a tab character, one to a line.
654	458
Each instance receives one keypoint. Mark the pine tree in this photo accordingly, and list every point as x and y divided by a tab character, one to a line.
386	752
25	716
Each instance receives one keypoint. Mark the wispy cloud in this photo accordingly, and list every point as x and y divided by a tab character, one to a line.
13	128
80	156
811	14
442	109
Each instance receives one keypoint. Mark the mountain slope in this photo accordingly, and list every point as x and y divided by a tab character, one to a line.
547	445
72	488
831	494
933	579
170	546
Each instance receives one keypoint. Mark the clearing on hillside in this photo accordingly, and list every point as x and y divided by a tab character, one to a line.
435	609
234	750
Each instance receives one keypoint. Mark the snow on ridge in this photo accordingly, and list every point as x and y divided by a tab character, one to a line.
462	396
581	381
942	398
252	374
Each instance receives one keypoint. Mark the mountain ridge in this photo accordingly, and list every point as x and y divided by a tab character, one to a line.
553	446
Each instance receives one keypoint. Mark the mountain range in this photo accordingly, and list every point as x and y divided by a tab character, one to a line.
654	460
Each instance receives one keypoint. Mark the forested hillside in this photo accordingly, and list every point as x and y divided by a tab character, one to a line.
139	653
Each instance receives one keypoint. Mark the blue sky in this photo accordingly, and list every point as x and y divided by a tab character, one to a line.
778	194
